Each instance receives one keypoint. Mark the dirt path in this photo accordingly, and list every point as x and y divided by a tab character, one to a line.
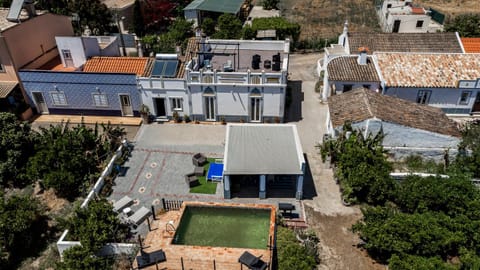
320	19
324	211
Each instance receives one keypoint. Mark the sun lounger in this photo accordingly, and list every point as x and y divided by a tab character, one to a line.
252	262
122	203
139	215
147	259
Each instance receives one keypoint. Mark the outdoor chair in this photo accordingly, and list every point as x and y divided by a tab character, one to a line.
146	259
252	262
199	159
191	180
122	203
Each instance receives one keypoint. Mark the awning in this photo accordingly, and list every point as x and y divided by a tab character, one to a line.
6	88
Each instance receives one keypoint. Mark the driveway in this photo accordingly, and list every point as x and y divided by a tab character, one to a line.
324	212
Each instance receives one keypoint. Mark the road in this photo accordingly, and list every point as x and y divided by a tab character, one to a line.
325	213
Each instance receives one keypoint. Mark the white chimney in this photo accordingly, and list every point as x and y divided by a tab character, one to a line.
362	58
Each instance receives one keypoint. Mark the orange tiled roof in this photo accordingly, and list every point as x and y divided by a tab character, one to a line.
418	10
137	65
427	70
471	45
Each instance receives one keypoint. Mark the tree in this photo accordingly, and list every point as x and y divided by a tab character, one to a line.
80	257
15	146
178	34
362	166
21	225
410	262
291	254
468	158
282	26
66	158
138	22
96	225
270	4
208	26
92	13
467	25
228	27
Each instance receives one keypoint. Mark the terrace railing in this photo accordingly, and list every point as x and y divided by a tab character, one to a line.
169	205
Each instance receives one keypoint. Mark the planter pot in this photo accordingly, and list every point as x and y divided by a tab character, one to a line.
27	114
146	118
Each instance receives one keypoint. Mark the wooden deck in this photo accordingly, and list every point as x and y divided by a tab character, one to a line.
77	119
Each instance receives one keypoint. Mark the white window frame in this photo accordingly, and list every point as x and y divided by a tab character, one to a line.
100	100
176	104
423	96
59	98
467	97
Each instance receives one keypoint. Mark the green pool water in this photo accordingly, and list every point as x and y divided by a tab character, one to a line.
224	227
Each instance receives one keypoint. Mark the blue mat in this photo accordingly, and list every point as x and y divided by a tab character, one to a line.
215	172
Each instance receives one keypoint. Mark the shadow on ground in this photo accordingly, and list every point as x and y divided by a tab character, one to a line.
294	100
309	191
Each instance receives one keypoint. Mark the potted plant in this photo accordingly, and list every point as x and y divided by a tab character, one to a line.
145	112
222	119
186	118
176	117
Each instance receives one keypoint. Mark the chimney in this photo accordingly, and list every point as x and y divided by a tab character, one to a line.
362	58
29	6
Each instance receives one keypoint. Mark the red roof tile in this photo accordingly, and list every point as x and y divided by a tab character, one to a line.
471	45
137	65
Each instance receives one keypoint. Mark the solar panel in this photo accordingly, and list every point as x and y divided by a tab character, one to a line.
165	68
15	10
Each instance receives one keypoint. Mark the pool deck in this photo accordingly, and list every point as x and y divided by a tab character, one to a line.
198	257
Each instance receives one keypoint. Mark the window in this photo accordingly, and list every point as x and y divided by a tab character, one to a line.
464	97
58	98
255	79
367	86
176	104
419	24
389	5
66	54
347	87
100	100
423	96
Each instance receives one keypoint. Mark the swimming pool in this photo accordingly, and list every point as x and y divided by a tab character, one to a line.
226	226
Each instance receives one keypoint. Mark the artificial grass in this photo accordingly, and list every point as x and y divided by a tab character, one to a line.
205	187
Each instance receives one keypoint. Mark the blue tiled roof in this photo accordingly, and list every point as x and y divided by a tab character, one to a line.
76	77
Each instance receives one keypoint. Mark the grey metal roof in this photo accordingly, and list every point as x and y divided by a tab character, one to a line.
262	149
221	6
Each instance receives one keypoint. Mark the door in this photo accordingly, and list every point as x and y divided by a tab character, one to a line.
476	105
160	106
255	107
40	102
209	108
396	26
126	105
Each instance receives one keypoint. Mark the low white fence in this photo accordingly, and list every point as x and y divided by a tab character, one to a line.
110	248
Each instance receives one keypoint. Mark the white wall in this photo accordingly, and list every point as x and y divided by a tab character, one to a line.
402	141
445	98
408	23
340	84
157	88
75	45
